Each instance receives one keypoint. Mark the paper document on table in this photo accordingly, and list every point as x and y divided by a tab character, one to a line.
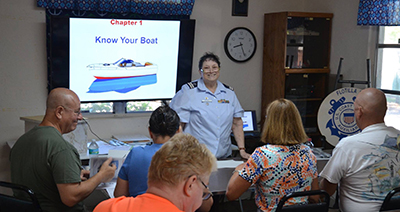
228	163
132	138
104	147
96	162
118	153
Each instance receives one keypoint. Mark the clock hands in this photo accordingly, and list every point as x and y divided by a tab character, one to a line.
244	54
238	45
241	46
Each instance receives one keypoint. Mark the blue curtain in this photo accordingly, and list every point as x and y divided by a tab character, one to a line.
143	7
379	12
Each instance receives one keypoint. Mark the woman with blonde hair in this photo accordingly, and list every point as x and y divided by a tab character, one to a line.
282	166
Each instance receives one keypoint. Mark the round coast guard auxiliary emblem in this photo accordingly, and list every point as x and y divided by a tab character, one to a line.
336	115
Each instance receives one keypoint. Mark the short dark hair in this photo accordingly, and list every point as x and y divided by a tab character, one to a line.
209	56
164	121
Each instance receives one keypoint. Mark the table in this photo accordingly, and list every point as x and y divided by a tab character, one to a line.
218	180
217	183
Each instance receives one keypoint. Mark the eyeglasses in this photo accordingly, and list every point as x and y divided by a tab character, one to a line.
209	69
77	112
208	194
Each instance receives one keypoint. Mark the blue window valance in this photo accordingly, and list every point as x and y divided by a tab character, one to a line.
379	12
143	7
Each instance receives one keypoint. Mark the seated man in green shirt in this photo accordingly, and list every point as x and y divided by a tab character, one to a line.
43	161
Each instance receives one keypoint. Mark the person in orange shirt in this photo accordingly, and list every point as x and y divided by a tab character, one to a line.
178	177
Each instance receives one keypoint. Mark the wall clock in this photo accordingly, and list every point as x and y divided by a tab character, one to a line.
240	44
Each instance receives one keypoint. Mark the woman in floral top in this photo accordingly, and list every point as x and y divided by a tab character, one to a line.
282	166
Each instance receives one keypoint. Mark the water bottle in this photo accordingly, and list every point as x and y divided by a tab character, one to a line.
93	148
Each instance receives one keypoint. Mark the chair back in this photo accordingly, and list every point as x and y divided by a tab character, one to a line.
390	202
309	207
11	203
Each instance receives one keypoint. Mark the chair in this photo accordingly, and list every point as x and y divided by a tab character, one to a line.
311	207
11	203
391	203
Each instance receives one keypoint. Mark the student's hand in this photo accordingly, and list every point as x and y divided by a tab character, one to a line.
314	199
85	174
107	170
244	154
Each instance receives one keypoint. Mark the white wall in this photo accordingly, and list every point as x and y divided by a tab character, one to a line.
23	58
23	70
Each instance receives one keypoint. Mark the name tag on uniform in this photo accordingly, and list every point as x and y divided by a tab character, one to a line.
223	101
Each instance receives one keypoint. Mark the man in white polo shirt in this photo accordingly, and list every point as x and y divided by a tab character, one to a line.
366	165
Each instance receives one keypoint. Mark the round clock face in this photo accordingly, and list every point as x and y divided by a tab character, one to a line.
240	44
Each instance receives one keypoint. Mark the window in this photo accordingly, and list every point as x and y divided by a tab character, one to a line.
121	107
393	113
104	107
388	71
388	63
143	106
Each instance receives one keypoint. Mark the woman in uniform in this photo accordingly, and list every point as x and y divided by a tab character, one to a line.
209	110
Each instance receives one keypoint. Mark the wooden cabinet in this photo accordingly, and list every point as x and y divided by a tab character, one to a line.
296	55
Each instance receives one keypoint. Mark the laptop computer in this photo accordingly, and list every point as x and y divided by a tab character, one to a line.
250	123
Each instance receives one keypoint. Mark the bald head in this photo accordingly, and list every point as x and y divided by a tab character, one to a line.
62	110
372	105
61	96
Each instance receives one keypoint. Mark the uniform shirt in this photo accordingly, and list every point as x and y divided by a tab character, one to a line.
278	170
208	116
136	167
366	166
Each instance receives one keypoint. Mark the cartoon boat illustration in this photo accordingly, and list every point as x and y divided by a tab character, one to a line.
121	85
123	68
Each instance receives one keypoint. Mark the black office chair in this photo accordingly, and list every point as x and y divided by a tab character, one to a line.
11	203
391	203
309	207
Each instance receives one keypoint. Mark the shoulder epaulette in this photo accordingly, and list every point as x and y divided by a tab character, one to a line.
227	86
192	84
